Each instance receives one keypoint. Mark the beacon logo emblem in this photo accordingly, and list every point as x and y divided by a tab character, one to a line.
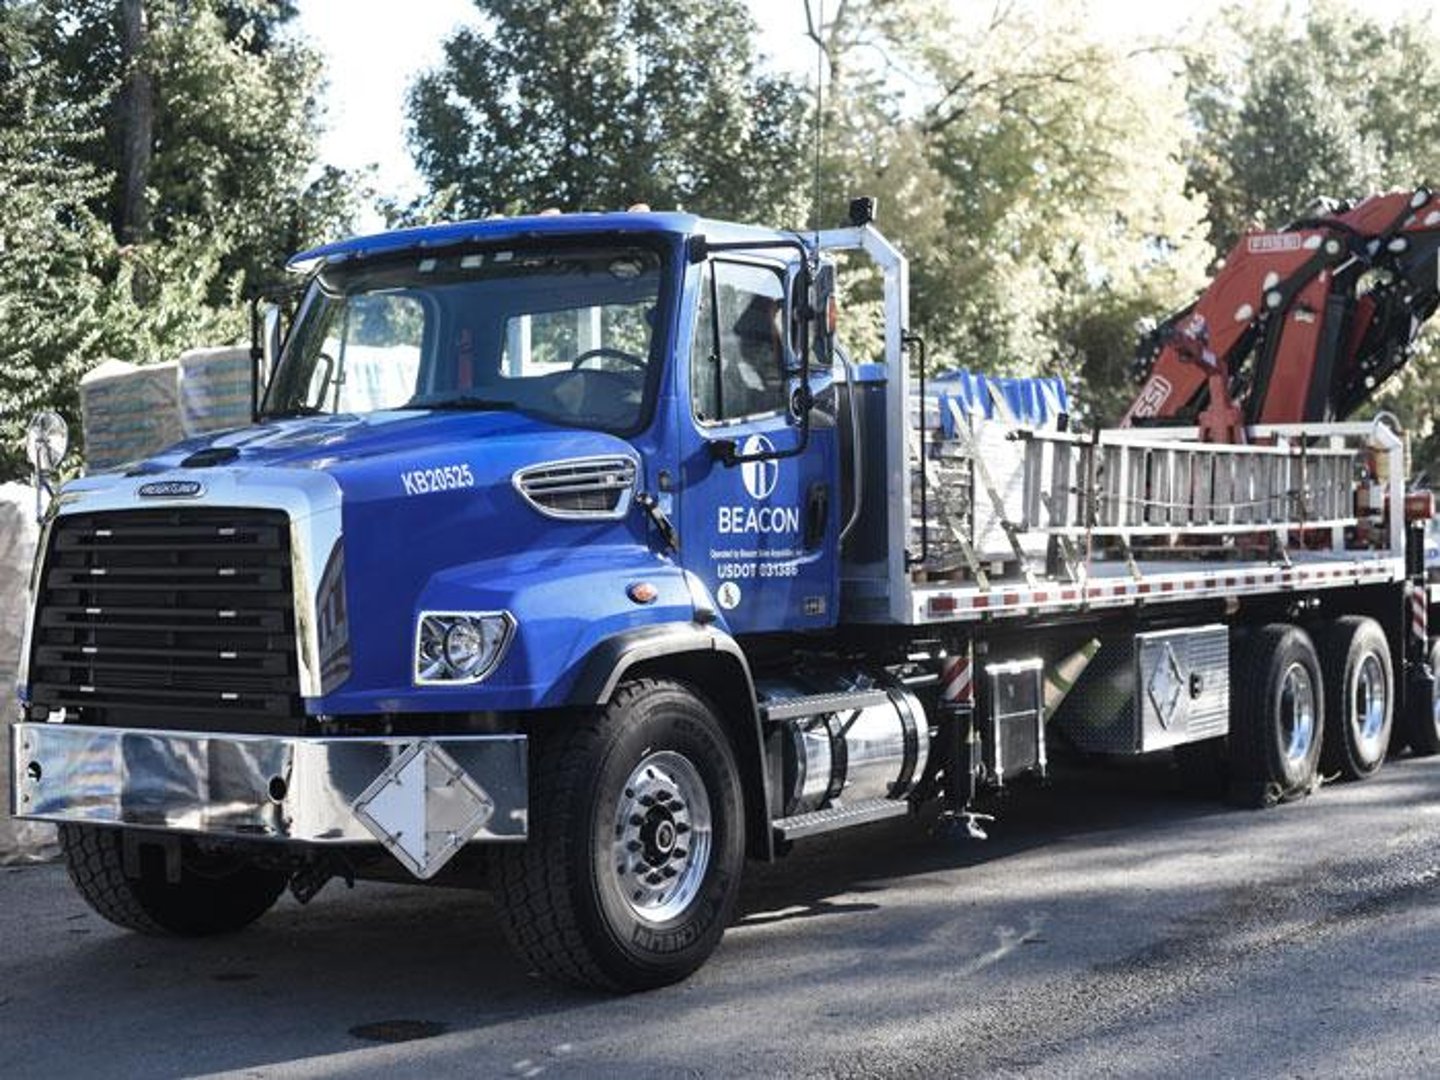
759	477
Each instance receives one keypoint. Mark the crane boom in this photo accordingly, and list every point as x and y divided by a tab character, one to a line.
1302	323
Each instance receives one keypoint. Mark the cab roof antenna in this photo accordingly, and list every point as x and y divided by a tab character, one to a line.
815	25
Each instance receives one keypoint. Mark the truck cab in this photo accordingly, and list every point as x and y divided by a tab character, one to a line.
507	478
627	394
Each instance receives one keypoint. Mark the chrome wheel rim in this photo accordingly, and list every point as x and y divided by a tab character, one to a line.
662	837
1297	713
1368	706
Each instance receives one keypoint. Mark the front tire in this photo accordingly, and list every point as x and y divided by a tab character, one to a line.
1359	697
215	894
1277	716
631	870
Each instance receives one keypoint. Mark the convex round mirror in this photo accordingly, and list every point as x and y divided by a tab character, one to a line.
46	440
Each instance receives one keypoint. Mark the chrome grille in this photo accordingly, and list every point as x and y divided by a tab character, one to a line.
176	618
594	488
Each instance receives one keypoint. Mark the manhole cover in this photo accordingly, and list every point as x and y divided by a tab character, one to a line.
393	1031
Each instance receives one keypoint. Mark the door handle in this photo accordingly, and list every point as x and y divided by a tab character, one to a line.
817	514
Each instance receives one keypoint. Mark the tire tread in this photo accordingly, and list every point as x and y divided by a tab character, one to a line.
537	915
539	884
1334	647
197	905
1252	780
95	862
1420	728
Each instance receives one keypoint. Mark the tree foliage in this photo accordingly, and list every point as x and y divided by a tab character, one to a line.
52	247
1034	176
227	195
1284	113
236	118
599	104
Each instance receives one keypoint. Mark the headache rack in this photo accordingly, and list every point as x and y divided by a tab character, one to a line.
176	618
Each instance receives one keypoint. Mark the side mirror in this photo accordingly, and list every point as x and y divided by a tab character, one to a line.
824	309
267	334
274	337
47	438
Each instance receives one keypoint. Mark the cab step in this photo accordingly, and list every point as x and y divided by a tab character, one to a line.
820	704
838	817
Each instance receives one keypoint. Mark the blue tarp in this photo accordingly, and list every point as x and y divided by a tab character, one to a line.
1035	402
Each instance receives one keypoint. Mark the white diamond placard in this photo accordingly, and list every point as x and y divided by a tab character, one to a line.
1167	682
423	808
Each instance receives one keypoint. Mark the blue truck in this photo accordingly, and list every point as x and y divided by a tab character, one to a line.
574	558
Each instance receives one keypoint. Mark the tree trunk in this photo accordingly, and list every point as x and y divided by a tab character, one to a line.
136	127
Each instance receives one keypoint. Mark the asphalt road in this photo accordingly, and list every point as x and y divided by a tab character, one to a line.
1111	927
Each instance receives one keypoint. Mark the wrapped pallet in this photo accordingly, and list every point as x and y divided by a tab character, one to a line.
214	389
19	841
976	474
128	412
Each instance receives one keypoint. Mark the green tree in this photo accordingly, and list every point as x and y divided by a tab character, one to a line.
53	249
233	124
599	104
1285	113
1034	176
92	267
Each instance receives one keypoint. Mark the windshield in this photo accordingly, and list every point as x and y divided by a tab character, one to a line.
563	333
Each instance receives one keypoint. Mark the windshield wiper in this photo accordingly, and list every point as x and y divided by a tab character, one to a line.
461	401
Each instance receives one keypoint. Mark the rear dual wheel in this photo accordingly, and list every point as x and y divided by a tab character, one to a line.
1359	697
1422	726
1295	710
1277	716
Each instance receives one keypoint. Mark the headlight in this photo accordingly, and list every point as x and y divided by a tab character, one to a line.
460	647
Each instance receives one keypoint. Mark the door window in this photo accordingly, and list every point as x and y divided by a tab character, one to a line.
738	359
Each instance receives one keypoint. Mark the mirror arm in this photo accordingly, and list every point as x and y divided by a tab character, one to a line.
727	453
257	355
44	494
269	317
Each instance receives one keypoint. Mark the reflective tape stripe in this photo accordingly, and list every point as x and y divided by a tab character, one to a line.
956	683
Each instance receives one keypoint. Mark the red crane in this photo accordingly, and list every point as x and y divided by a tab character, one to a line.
1301	323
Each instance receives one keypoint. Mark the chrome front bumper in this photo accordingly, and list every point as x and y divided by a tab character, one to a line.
310	790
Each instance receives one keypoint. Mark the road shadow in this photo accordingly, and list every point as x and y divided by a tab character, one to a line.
884	905
1078	799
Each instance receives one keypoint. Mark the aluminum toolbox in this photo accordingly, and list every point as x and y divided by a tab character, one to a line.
1151	691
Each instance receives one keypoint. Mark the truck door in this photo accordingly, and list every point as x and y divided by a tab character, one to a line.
760	532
